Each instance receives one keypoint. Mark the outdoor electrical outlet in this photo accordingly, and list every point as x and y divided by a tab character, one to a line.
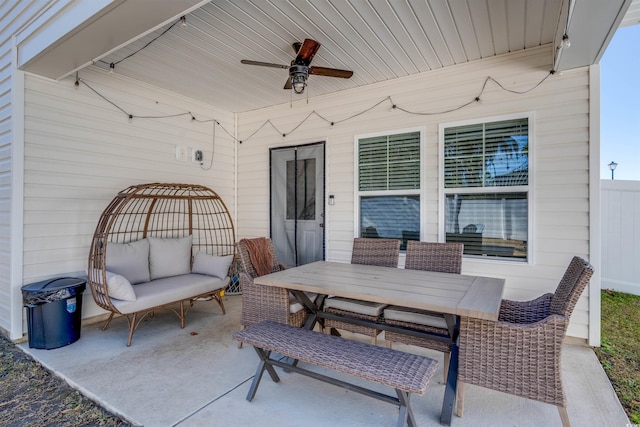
196	155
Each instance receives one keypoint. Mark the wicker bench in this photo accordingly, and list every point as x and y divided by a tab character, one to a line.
406	373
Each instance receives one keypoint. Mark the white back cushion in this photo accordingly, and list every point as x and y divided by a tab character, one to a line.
212	265
169	257
130	260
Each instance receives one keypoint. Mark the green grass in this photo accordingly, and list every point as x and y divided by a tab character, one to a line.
619	353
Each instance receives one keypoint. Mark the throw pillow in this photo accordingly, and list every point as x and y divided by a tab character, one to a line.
130	260
169	257
119	287
212	265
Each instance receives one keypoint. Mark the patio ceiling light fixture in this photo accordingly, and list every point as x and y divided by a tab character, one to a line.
299	75
565	43
612	166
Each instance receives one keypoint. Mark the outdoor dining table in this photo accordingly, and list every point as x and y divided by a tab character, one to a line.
453	295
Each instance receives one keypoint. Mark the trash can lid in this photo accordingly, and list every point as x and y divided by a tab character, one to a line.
53	284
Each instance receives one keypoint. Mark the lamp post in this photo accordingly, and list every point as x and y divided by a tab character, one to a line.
612	166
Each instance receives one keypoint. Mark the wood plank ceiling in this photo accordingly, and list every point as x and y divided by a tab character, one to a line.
379	40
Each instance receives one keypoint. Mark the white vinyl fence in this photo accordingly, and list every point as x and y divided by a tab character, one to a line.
621	235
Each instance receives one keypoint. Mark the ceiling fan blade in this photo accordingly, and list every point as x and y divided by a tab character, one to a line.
306	52
330	72
296	46
264	64
287	84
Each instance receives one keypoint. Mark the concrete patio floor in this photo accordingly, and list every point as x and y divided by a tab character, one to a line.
198	376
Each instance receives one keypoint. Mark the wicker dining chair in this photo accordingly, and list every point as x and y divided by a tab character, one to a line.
366	251
261	302
426	256
520	353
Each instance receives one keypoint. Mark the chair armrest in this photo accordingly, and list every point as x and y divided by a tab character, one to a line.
525	311
552	325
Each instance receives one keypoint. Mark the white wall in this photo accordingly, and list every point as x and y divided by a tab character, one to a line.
560	150
80	151
620	235
13	15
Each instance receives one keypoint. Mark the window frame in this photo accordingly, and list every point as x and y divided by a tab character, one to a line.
373	193
529	188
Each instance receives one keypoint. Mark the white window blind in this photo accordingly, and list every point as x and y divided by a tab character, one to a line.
491	154
389	162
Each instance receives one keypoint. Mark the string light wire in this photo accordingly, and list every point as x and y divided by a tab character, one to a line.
315	113
388	99
112	65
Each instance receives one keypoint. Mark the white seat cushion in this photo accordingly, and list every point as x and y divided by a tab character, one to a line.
170	289
355	306
295	306
413	315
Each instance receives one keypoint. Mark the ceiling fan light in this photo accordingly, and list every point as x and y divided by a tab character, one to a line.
298	74
298	82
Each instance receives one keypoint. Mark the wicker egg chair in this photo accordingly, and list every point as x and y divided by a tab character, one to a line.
163	211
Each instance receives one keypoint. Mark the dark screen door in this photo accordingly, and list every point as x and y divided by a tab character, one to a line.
297	203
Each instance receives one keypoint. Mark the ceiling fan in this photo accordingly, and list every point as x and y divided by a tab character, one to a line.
299	69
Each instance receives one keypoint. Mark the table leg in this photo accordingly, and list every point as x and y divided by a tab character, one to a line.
452	376
313	307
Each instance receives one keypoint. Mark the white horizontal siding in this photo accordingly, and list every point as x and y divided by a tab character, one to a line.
80	151
559	149
13	15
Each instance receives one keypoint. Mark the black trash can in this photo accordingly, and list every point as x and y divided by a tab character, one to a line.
54	311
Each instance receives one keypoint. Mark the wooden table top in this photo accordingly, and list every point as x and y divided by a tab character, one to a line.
462	295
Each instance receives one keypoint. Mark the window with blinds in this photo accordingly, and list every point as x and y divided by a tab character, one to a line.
389	162
492	154
389	186
486	188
